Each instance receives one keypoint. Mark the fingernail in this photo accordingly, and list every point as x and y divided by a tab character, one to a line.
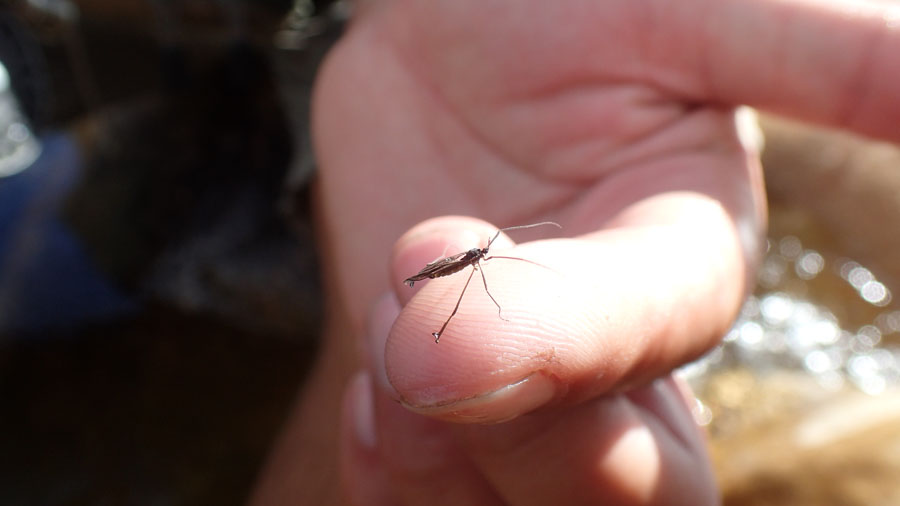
363	406
497	406
381	318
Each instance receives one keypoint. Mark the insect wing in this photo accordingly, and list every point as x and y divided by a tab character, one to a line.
437	268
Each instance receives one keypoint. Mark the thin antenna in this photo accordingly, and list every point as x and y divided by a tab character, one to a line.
557	225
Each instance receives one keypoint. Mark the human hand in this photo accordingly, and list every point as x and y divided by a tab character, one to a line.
612	118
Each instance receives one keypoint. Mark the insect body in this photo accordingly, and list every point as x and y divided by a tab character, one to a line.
455	263
449	265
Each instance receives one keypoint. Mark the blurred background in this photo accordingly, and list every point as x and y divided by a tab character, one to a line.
159	297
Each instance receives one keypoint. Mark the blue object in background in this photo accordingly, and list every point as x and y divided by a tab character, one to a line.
47	280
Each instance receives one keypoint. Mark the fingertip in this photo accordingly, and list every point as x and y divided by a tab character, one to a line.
361	463
437	380
362	408
381	318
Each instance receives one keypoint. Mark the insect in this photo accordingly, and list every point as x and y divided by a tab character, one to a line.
455	263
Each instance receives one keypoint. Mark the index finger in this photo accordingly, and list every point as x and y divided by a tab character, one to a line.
833	62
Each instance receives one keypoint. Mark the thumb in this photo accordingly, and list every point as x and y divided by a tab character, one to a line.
610	309
390	455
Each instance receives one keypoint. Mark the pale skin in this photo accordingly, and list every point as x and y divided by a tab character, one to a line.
616	120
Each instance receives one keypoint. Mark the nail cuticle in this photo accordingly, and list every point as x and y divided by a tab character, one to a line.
496	406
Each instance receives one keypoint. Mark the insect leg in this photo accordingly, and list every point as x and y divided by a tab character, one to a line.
437	335
484	280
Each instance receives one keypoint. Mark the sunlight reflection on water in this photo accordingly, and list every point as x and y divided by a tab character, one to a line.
780	329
